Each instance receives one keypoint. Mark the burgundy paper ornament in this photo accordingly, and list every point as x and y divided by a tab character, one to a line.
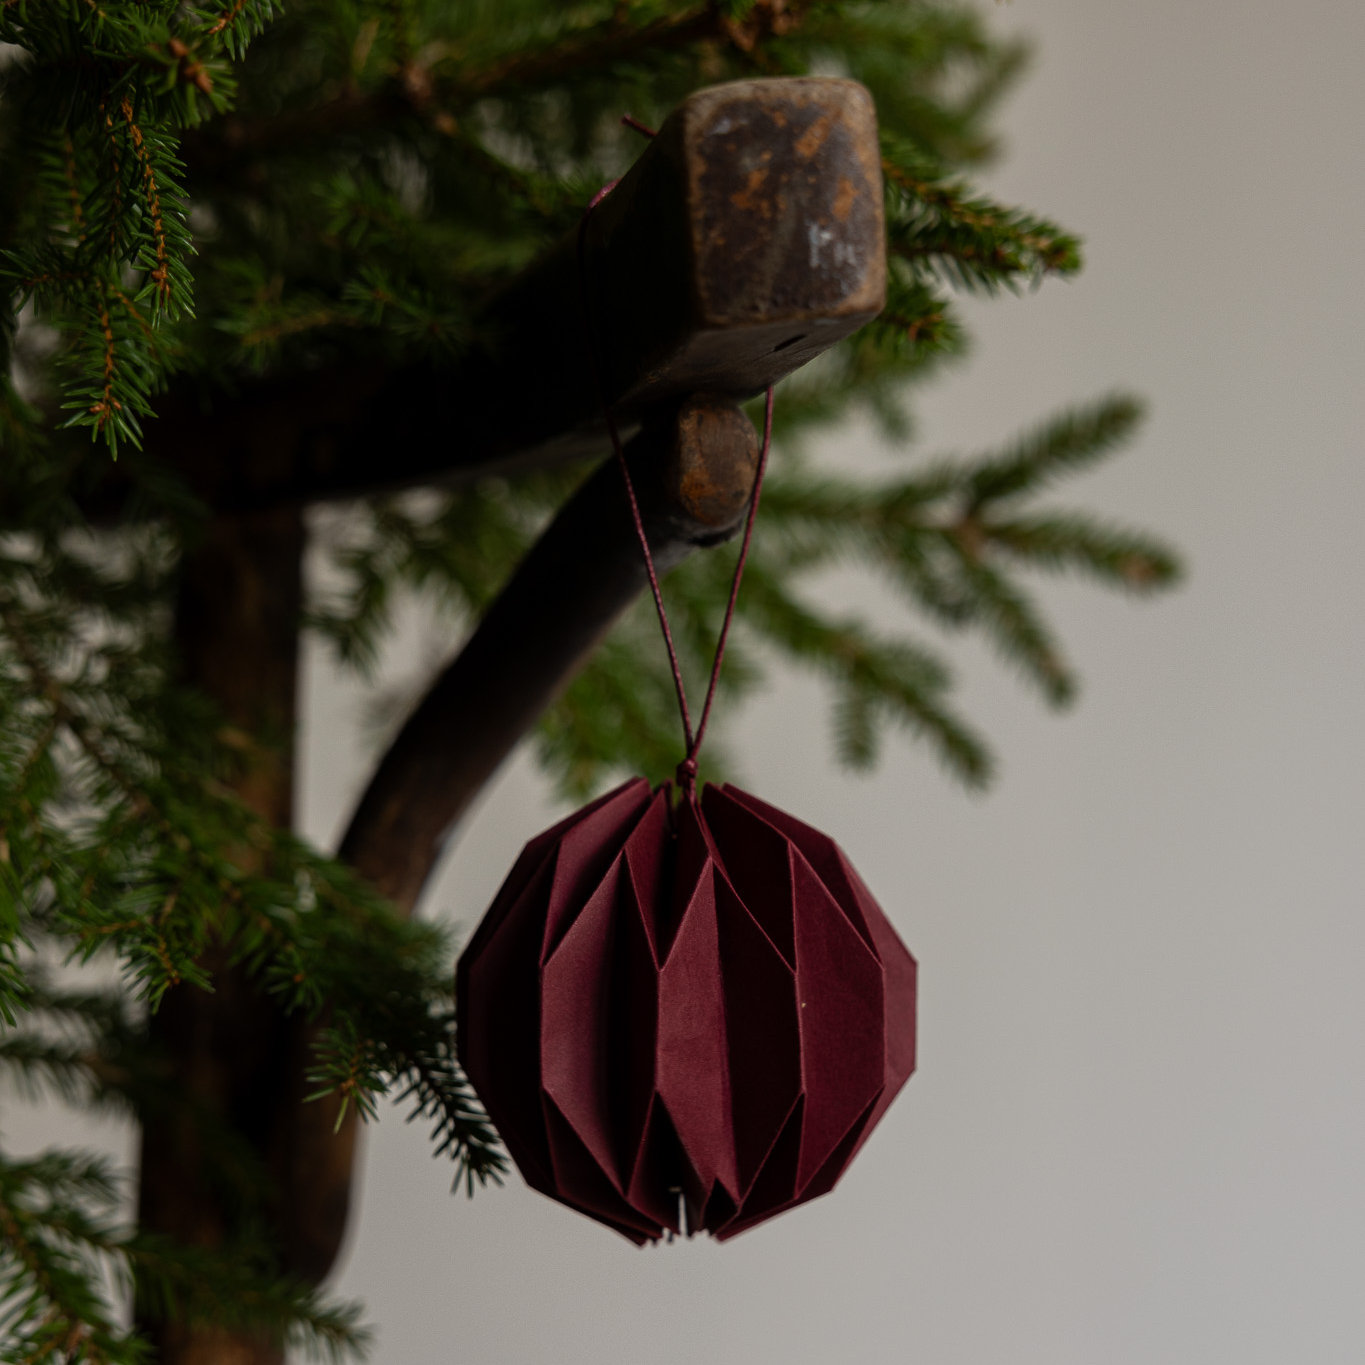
684	1015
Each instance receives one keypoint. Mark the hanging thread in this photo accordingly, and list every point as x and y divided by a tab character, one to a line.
687	769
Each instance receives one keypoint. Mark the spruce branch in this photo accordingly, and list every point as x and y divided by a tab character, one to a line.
892	680
58	1237
235	1288
934	221
442	97
51	1307
79	1046
1064	445
310	933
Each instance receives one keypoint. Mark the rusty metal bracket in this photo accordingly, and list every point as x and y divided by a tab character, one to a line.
746	240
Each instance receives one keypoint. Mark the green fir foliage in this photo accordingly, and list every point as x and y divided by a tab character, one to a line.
61	1243
236	188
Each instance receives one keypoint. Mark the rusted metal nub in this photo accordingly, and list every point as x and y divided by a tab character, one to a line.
711	462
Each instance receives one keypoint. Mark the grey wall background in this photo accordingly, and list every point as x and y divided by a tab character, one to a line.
1138	1130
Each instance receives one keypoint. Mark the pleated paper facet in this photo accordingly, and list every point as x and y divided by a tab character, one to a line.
684	1016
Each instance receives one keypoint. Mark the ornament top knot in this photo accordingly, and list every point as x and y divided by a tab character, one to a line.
684	1015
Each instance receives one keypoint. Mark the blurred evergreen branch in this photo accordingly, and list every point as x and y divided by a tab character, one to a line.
59	1235
122	834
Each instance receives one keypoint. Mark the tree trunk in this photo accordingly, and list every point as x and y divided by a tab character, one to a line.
237	1152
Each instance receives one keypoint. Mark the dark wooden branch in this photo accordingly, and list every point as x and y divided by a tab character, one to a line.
232	1054
693	475
745	241
226	148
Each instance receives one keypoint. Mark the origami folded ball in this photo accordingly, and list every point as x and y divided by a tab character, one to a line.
684	1019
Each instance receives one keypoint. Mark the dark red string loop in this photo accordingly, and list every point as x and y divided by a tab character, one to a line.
739	572
610	419
687	769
